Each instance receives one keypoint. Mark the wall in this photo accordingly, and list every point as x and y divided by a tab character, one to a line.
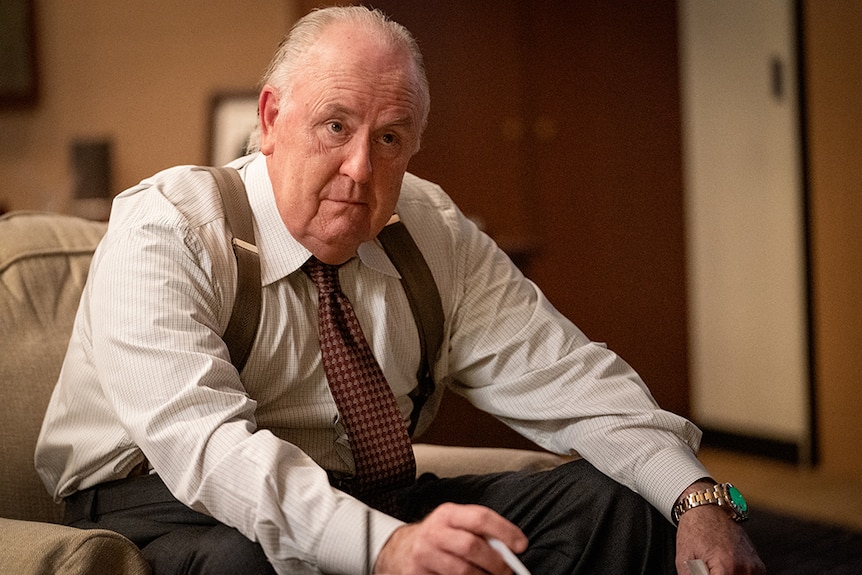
833	52
140	73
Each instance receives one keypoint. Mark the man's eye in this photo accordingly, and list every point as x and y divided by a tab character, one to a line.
336	127
388	139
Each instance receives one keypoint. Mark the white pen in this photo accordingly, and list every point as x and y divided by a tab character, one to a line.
511	560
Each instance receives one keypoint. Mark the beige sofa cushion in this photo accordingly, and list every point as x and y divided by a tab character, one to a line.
31	548
451	461
44	260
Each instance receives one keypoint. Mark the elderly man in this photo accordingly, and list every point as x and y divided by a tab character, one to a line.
152	432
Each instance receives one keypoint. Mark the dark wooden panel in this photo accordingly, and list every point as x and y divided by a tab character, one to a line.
607	183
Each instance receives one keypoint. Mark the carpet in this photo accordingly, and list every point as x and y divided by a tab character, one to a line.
790	545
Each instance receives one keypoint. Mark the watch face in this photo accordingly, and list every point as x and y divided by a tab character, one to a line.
737	499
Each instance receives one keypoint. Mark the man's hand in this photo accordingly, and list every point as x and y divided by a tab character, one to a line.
451	540
709	534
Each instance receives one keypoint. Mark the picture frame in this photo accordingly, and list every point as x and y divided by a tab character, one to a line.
233	117
19	84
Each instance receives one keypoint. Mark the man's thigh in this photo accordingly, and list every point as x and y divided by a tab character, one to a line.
577	519
206	550
173	538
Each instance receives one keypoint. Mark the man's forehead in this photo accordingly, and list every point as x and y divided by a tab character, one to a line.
343	41
350	68
354	85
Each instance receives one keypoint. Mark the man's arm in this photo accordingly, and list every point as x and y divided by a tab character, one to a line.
513	355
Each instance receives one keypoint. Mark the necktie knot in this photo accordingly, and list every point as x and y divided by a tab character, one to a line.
324	276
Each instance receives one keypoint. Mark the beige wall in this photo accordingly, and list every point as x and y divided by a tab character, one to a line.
833	56
141	73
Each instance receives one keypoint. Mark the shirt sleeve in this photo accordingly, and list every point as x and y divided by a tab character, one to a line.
513	355
156	312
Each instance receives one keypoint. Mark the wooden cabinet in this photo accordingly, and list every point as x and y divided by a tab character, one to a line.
557	125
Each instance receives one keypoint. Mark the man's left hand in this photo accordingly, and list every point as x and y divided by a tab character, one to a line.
709	534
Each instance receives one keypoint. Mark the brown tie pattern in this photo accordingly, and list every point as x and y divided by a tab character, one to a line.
381	447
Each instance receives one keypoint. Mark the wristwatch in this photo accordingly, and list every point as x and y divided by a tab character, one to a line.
725	495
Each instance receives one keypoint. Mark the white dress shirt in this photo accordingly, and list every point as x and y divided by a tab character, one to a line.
147	372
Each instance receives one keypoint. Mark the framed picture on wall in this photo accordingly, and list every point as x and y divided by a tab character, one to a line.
18	73
233	117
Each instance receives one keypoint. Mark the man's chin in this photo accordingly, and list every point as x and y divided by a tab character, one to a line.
337	246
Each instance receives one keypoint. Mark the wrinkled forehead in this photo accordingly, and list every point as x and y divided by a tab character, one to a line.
353	56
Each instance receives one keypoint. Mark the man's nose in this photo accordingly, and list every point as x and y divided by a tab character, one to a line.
357	163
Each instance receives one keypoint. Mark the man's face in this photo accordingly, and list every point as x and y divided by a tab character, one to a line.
338	145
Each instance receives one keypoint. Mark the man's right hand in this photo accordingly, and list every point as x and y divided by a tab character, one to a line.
452	539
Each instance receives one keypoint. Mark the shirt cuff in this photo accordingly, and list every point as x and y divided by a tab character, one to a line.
354	537
666	475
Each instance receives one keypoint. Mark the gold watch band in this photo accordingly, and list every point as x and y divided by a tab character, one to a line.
725	495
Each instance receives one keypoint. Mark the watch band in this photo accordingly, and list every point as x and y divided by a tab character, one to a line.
725	495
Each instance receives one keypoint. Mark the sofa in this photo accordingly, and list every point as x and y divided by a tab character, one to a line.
44	259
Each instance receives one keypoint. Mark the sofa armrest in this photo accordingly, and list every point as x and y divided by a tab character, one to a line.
450	461
30	547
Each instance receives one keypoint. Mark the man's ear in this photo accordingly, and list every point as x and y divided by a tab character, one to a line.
268	108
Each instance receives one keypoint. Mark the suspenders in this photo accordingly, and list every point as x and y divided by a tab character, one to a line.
425	304
416	278
244	319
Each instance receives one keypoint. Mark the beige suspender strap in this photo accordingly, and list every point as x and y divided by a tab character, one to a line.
245	317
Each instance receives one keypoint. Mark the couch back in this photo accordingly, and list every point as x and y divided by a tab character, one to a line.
44	259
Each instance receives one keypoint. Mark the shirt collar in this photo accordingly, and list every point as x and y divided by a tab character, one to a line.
280	253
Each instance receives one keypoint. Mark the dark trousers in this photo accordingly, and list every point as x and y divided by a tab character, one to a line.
577	521
173	538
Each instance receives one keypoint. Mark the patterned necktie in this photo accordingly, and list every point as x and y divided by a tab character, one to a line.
382	453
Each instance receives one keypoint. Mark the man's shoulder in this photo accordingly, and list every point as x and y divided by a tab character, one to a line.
178	206
417	189
188	190
423	198
433	220
185	193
